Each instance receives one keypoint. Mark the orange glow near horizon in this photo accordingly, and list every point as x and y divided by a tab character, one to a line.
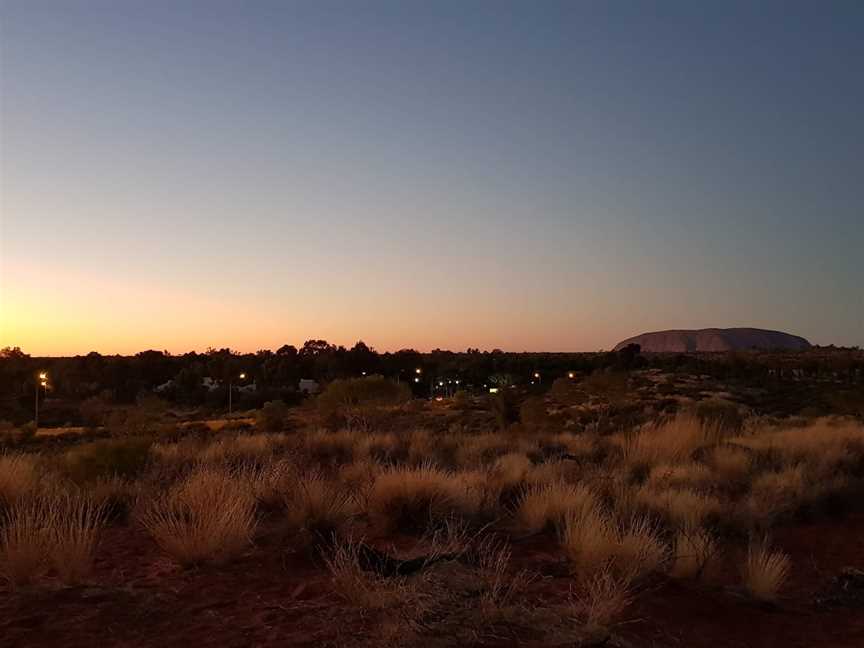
74	313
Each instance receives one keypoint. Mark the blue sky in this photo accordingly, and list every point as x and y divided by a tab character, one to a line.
533	176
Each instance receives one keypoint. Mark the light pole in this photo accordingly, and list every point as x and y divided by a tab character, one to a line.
231	389
42	382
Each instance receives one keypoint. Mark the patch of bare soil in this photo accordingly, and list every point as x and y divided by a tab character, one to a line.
277	596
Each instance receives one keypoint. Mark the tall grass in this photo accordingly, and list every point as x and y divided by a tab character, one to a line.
19	476
411	498
765	571
57	531
208	517
547	506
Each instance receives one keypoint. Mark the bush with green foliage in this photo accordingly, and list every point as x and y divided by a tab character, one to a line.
273	417
505	407
342	396
106	458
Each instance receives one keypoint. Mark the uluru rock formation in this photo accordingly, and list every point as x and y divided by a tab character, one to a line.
715	339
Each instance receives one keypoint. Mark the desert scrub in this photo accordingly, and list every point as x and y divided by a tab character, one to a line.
601	599
207	517
764	571
57	530
72	535
694	551
19	477
412	498
124	457
546	506
318	505
23	540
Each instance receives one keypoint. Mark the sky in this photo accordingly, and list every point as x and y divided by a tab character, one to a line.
534	176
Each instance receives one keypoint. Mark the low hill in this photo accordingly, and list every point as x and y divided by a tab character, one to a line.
715	339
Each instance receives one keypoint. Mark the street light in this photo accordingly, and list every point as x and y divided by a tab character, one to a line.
43	382
571	375
242	376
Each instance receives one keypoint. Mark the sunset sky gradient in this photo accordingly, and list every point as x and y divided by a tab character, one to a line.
528	176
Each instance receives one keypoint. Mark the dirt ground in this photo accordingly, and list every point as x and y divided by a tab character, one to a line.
278	596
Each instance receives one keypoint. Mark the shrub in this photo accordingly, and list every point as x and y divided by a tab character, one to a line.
273	416
208	517
504	407
345	396
765	571
101	459
461	399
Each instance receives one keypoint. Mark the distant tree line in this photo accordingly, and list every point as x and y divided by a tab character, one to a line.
276	374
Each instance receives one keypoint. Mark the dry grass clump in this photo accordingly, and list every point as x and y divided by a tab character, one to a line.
731	463
765	571
695	549
601	600
507	476
670	442
775	493
547	506
332	447
501	587
689	474
268	483
57	530
23	540
683	507
589	539
19	476
640	549
407	497
382	448
553	471
176	456
72	534
364	589
480	449
797	444
207	517
421	446
114	494
595	540
359	476
317	504
579	445
241	449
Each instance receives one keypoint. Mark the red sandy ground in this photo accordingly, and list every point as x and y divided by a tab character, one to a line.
276	597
